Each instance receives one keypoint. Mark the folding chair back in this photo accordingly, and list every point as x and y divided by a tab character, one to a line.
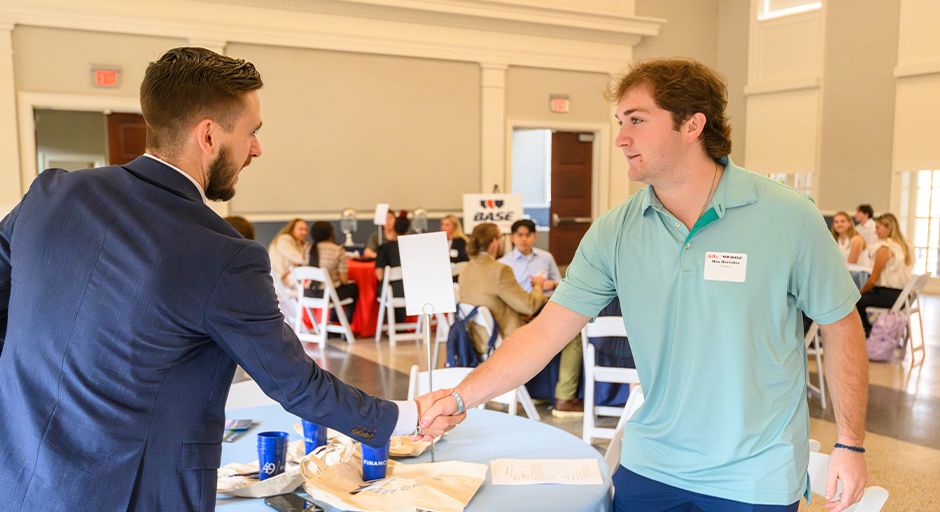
457	268
286	303
387	304
329	301
606	327
908	304
612	455
814	348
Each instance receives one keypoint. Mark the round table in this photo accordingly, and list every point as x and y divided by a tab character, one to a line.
482	437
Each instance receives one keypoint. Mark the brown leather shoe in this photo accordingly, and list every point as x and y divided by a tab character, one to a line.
573	408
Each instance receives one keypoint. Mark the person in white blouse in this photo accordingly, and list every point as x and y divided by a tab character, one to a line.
853	246
892	269
289	250
864	216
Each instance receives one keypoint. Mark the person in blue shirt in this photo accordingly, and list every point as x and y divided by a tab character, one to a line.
712	300
527	261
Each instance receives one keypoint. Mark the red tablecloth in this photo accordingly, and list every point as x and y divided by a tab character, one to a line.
367	308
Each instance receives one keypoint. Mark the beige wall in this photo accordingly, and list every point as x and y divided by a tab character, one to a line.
59	61
733	25
691	30
861	50
528	91
344	130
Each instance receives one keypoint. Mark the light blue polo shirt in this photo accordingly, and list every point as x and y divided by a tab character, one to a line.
717	339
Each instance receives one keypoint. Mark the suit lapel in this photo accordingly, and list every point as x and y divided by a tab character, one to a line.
163	176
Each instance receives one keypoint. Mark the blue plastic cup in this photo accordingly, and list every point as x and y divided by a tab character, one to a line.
314	436
374	462
272	454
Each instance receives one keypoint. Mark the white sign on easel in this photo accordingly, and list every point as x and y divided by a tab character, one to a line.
381	214
425	270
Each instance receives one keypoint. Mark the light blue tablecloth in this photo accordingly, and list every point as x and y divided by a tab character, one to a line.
482	437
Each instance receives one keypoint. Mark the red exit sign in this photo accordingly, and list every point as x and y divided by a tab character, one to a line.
106	78
560	105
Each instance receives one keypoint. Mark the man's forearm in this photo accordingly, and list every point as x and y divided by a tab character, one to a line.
521	356
846	360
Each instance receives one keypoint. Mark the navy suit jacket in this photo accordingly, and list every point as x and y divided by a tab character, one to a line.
125	303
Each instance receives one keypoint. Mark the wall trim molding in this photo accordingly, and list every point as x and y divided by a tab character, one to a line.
487	32
600	161
27	102
785	86
364	216
909	70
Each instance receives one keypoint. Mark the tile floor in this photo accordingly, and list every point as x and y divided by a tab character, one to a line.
903	439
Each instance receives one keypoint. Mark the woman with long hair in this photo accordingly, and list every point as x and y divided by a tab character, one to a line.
287	251
851	243
326	254
892	269
456	239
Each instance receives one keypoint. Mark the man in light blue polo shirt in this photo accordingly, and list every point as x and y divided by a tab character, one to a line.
712	265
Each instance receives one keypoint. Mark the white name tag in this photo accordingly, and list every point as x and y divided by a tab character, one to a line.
454	253
725	266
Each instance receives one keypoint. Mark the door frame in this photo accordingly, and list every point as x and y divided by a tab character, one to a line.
28	102
600	159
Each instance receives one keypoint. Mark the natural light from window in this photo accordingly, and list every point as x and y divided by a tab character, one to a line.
926	237
777	8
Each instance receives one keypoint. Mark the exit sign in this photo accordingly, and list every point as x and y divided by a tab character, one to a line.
560	104
106	78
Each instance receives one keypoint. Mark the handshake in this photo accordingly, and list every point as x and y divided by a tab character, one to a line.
437	413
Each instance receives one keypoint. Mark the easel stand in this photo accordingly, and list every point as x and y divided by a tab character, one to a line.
428	310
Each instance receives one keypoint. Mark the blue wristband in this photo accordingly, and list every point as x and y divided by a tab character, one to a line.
855	449
459	402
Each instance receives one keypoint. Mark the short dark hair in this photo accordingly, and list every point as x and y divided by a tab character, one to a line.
185	86
523	223
683	87
401	225
242	225
867	210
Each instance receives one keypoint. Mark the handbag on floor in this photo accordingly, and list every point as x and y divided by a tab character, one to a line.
889	330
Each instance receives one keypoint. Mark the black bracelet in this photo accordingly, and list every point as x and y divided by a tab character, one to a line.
853	448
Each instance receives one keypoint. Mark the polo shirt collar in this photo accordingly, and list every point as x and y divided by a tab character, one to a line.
734	189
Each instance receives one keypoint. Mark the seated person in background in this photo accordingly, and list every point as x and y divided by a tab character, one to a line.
864	216
388	256
372	248
241	225
456	239
894	264
487	282
331	257
288	250
527	261
853	246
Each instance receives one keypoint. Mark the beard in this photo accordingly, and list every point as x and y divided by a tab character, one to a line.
220	177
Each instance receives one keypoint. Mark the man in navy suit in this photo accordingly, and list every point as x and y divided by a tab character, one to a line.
125	304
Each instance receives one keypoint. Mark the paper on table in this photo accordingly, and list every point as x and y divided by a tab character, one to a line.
425	270
546	471
381	214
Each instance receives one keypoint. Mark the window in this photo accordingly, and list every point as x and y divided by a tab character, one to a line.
777	8
802	182
926	237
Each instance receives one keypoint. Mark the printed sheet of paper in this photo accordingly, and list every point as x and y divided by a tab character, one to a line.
546	471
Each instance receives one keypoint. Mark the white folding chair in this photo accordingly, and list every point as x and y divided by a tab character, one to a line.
246	394
457	268
387	304
612	455
908	304
873	500
329	301
450	377
605	326
814	348
285	302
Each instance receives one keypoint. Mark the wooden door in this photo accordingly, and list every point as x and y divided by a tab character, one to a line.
127	137
572	169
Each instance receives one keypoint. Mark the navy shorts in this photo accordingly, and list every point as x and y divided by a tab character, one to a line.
634	493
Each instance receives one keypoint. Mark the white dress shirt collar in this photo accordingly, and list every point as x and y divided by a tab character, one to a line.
202	193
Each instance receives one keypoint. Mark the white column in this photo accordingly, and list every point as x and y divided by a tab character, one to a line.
493	128
11	190
221	208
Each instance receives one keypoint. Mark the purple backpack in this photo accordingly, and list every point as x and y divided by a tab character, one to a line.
886	335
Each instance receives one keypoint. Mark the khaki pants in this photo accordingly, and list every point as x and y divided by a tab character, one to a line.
569	372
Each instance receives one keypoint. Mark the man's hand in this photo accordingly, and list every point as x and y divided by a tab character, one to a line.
445	407
549	285
436	424
849	467
537	281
